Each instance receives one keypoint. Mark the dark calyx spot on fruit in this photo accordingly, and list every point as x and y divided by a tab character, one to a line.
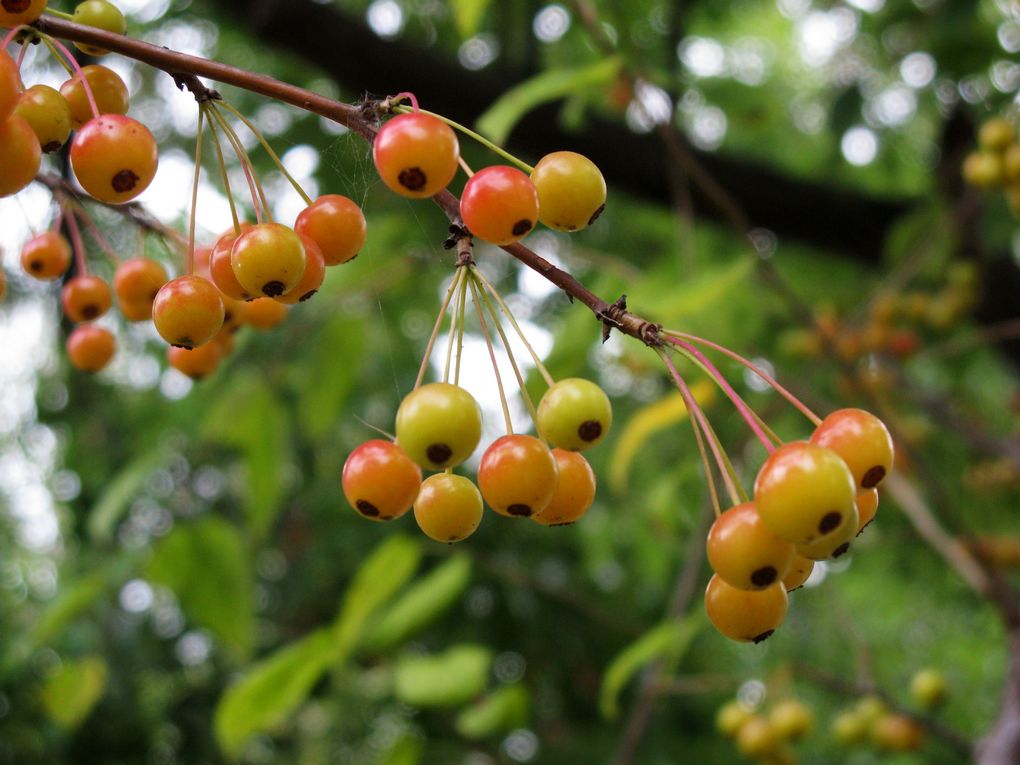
272	289
36	266
522	227
183	342
763	636
51	147
589	430
228	316
453	538
307	295
90	311
795	588
595	215
873	477
522	510
367	508
125	180
412	178
841	549
829	522
563	523
438	454
15	6
864	527
764	576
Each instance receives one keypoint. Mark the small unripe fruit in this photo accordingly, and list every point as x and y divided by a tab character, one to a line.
448	507
983	170
101	15
439	425
996	135
48	114
929	688
268	259
108	90
571	190
730	718
757	738
574	414
791	719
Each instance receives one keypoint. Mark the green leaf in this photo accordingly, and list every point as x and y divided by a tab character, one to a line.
328	379
448	679
71	602
420	605
671	302
502	710
407	751
669	640
207	566
271	690
70	695
114	501
552	84
468	15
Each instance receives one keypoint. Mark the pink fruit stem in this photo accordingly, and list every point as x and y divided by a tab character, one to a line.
9	37
769	380
77	68
409	96
102	241
76	241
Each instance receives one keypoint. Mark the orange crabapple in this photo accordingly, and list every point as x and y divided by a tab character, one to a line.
804	491
114	158
836	542
380	481
336	224
757	737
799	572
137	280
571	190
20	155
234	314
311	279
10	85
100	14
448	507
517	475
196	363
15	12
108	90
574	414
86	297
499	204
416	154
46	255
221	270
268	259
90	347
862	440
744	552
188	311
575	490
867	508
439	425
749	616
264	313
896	732
48	114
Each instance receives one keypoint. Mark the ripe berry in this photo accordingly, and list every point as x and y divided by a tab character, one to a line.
196	363
575	490
800	570
416	154
380	480
448	507
897	733
804	491
15	12
264	313
46	256
221	270
137	280
336	224
744	552
234	314
996	135
571	190
518	475
439	425
574	414
86	297
188	311
108	89
929	688
311	279
835	543
90	347
499	204
10	85
791	719
102	15
863	442
749	616
268	259
867	507
114	158
48	114
20	155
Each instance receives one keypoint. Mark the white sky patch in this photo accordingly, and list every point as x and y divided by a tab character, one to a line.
918	69
478	52
551	23
859	145
895	105
703	56
708	127
651	106
821	34
868	6
386	18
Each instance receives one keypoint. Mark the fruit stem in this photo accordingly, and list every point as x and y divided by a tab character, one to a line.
76	241
409	96
258	198
456	321
517	327
769	380
56	54
225	176
458	275
269	149
9	37
189	267
697	413
102	241
506	345
745	411
492	358
461	310
472	134
59	14
77	69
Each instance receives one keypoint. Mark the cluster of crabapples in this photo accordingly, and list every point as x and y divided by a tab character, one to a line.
811	498
439	425
996	162
766	734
